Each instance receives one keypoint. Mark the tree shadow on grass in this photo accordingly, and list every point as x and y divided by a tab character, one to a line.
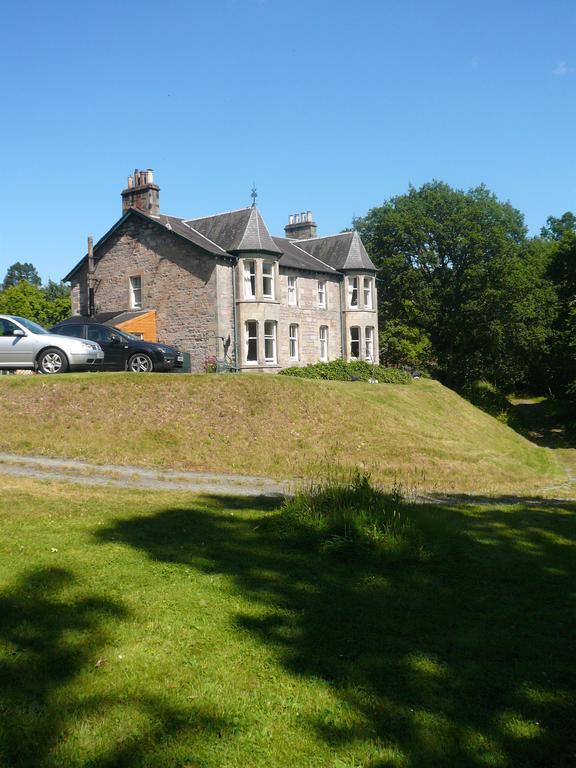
548	423
48	637
463	656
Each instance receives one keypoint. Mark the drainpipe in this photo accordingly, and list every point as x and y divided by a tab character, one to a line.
90	277
234	265
342	309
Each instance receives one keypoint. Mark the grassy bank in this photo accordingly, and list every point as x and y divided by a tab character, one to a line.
169	631
421	435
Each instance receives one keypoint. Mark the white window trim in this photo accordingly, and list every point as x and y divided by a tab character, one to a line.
323	343
353	285
293	336
269	277
249	279
267	336
367	289
247	338
355	341
293	292
134	291
322	294
369	343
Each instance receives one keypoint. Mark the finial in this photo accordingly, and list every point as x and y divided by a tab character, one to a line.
254	195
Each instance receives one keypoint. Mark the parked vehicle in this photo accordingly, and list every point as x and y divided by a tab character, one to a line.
123	352
24	344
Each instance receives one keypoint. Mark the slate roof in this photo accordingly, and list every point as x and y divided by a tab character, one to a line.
295	257
242	230
344	251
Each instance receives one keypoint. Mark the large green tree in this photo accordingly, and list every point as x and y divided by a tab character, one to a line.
21	271
457	266
30	301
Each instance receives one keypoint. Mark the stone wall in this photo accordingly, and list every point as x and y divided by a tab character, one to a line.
178	281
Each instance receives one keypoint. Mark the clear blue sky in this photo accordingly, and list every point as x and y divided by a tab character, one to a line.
326	105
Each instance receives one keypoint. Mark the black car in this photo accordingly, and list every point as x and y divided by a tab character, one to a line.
122	351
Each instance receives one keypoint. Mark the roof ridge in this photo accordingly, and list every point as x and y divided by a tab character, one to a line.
323	237
222	213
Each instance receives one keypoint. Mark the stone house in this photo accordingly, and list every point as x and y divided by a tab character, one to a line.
221	286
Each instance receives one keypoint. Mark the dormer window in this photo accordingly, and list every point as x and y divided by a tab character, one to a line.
268	280
250	279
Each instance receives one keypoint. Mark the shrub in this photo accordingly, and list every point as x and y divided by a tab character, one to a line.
357	370
487	397
345	514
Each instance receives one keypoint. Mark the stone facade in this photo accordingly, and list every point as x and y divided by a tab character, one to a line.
222	287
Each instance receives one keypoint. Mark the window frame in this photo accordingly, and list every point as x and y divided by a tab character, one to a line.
369	341
294	341
134	304
323	343
367	290
270	277
247	339
293	290
353	289
270	337
249	274
353	342
321	293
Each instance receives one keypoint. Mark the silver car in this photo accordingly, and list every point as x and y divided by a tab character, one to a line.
24	344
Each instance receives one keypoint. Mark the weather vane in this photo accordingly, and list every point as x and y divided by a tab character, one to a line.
254	195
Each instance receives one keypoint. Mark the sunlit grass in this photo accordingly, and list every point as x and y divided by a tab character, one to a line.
422	436
166	630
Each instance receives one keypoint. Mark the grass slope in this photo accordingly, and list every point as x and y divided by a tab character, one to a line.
170	631
422	435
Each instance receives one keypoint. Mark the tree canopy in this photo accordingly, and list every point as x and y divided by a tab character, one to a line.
457	268
21	271
46	305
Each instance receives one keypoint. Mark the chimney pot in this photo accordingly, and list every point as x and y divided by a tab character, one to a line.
142	193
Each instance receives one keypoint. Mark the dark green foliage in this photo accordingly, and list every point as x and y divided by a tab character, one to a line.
488	398
21	271
30	301
457	268
357	370
346	514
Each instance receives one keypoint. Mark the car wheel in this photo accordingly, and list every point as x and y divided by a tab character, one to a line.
52	360
140	363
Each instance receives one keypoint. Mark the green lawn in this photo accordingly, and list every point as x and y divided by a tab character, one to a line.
178	631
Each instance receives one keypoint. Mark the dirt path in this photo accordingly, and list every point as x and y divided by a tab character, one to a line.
83	473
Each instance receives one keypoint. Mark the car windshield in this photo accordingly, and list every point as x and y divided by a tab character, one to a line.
127	335
34	327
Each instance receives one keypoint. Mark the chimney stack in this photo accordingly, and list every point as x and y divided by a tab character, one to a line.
300	226
142	193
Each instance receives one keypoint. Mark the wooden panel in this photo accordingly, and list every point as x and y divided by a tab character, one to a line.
144	324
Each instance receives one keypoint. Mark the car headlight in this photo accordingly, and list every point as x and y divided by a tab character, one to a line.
89	347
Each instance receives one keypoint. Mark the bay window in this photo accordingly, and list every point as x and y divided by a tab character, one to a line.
352	291
251	341
268	279
250	279
293	339
355	342
369	344
270	341
367	293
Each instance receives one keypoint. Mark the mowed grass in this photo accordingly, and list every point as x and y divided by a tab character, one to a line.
421	435
172	631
